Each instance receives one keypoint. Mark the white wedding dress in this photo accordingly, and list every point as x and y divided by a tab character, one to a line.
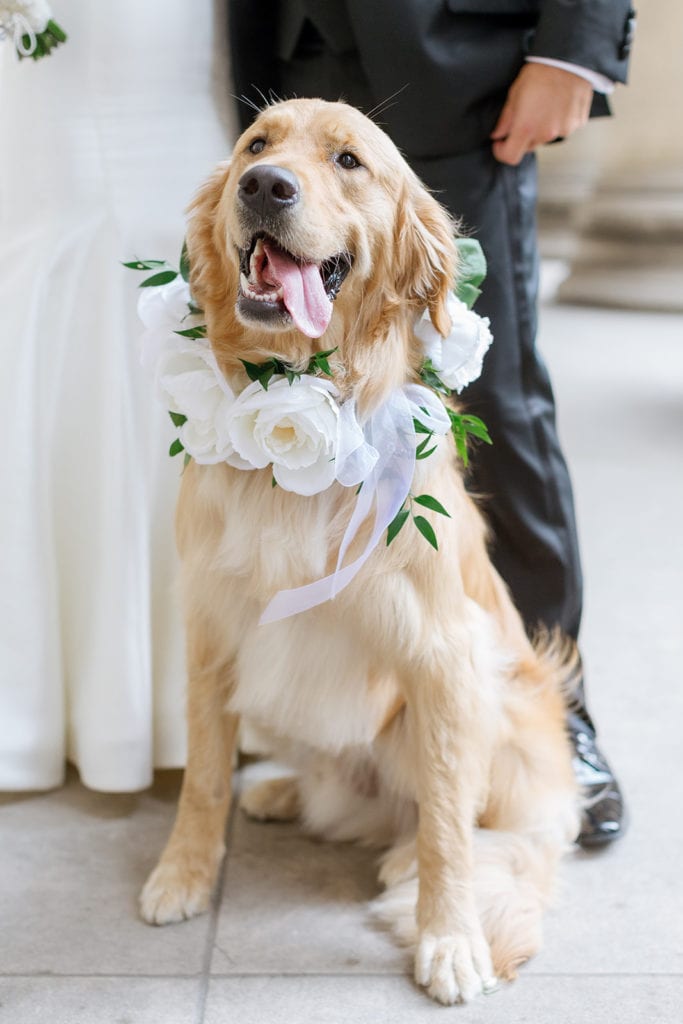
102	146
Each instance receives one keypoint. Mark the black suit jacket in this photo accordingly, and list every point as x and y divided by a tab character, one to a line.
455	58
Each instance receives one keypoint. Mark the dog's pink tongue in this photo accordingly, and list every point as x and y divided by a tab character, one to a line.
302	289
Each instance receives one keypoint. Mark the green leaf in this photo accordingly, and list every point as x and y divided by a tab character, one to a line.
273	482
429	502
165	277
178	418
420	428
145	264
423	444
471	270
426	530
396	524
461	446
176	447
430	377
425	455
187	458
291	375
264	379
467	293
319	362
56	30
193	332
185	262
254	370
473	425
195	309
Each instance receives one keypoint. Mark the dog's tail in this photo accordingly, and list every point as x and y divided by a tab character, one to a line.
514	882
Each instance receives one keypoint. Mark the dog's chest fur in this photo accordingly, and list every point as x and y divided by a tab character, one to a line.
308	680
309	677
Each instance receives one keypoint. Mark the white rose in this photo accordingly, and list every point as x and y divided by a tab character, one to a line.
164	309
189	382
36	12
457	358
167	306
294	427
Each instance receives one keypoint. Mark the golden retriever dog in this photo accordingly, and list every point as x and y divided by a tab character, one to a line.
417	713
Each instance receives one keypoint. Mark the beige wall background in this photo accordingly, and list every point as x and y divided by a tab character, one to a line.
612	195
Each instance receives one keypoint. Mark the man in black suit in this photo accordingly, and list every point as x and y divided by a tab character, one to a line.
472	88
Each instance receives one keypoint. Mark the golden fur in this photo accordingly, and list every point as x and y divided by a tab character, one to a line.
417	686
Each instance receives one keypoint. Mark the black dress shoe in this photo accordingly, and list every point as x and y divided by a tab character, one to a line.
603	818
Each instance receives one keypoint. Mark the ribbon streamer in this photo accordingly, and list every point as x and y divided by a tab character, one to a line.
390	434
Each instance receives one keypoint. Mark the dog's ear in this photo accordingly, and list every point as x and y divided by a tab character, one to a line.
209	272
426	253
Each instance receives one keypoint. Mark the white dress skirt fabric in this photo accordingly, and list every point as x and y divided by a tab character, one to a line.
102	145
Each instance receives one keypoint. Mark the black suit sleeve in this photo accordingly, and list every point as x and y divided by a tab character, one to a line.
595	34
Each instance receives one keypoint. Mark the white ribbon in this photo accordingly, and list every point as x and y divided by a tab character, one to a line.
390	435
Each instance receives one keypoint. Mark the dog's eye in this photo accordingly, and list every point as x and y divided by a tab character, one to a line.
347	160
257	146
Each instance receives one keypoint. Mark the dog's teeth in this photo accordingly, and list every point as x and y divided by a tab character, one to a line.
256	255
251	293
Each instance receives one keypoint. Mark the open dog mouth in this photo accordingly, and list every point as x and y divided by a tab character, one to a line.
275	285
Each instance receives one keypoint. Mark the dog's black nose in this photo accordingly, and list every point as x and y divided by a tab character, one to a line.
268	189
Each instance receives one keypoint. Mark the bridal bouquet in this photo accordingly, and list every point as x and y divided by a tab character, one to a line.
30	25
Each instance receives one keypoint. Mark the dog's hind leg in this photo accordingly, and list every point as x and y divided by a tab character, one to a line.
272	799
181	884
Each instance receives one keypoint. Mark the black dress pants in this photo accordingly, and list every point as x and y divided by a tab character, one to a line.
522	477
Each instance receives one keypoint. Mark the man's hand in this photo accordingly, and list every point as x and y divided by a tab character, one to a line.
544	103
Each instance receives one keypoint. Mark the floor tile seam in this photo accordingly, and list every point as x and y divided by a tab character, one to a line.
402	974
52	976
214	913
97	976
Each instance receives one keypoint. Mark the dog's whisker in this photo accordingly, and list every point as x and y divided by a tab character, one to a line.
266	101
248	102
384	104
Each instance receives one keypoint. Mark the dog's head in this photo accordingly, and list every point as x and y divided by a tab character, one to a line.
317	229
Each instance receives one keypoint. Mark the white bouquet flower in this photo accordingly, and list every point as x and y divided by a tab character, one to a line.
168	307
293	426
458	358
30	25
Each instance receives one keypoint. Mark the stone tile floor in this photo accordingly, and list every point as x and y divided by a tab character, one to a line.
288	940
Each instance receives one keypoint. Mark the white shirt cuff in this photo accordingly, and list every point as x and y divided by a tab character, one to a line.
600	83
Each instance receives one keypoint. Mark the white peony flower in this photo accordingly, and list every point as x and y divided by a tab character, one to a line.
294	427
36	12
167	307
189	382
457	358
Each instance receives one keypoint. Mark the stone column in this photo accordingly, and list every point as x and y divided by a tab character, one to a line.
628	248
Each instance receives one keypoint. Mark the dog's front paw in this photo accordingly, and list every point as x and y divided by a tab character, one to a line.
176	890
454	968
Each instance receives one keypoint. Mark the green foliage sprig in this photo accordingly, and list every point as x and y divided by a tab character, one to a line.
471	273
419	521
164	273
264	372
